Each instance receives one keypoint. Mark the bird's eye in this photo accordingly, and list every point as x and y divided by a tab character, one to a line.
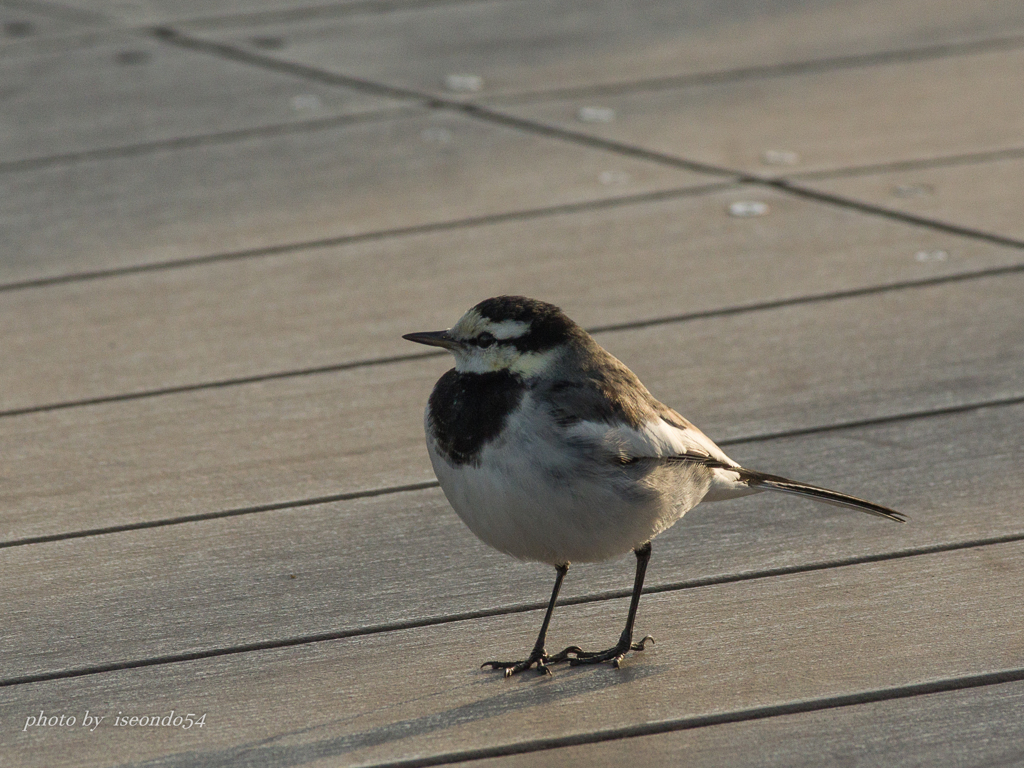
484	340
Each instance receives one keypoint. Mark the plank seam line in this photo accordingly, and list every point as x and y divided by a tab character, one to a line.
311	12
786	185
205	139
527	214
596	330
223	513
172	36
813	298
398	626
493	113
769	71
389	490
800	706
495	116
737	74
782	184
915	164
895	418
221	384
176	37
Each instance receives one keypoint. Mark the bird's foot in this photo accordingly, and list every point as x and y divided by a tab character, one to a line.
538	658
615	654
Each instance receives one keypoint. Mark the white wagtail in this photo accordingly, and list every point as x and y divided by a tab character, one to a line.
551	450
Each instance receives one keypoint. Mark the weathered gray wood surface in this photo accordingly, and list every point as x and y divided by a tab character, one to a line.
352	430
29	25
721	649
252	230
986	194
921	730
296	311
897	112
140	12
279	575
127	89
309	185
520	47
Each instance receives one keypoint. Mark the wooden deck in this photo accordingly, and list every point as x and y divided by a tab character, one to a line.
217	218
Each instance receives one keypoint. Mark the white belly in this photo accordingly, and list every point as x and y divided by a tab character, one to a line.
534	510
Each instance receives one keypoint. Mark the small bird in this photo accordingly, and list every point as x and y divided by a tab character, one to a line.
551	450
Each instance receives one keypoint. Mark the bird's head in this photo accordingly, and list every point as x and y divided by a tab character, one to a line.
506	333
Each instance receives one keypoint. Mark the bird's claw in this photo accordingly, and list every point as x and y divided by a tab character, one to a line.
615	654
514	667
540	658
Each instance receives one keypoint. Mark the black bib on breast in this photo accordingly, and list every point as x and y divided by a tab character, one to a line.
468	410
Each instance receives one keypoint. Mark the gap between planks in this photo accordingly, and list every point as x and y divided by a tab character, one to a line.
320	637
944	685
201	140
495	116
371	236
790	186
388	490
686	317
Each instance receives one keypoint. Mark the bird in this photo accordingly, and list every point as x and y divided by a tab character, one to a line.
551	450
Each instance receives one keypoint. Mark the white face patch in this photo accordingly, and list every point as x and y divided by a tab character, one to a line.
508	329
471	325
501	358
497	357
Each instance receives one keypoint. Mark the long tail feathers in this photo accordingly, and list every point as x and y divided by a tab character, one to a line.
776	483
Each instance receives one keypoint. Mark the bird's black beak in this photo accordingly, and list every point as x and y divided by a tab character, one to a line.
433	339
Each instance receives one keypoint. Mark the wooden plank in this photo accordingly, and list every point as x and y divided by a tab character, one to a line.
980	726
376	563
415	693
257	316
519	47
23	27
794	367
269	191
125	89
896	112
986	195
142	12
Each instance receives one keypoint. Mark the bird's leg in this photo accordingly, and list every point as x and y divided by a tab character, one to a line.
625	644
539	655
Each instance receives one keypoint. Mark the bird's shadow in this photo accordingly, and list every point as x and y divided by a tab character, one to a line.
517	695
